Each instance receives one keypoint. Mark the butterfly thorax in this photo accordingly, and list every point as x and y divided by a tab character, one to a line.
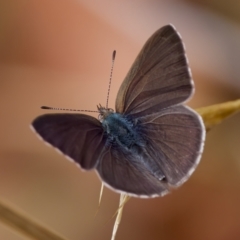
120	130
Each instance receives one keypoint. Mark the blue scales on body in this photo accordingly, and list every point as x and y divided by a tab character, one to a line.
123	132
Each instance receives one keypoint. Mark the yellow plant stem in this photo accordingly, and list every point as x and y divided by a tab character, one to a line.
215	114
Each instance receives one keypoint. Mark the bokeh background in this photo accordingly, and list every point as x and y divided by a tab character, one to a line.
58	53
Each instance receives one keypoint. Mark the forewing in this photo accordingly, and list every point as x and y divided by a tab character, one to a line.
158	78
78	136
175	139
125	172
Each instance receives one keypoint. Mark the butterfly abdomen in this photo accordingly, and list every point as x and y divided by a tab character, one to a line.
122	131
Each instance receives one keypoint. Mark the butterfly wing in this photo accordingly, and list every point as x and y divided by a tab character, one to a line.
158	78
174	143
78	136
124	172
175	139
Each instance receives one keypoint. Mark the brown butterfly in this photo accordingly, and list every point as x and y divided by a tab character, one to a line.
152	142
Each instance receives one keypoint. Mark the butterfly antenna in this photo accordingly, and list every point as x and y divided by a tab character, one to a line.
66	109
109	86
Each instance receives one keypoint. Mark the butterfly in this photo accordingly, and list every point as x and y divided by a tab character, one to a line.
152	142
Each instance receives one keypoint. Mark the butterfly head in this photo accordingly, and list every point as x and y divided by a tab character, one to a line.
104	112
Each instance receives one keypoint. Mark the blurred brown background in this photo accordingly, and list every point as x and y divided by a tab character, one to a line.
58	53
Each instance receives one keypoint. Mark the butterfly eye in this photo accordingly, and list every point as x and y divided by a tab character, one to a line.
110	110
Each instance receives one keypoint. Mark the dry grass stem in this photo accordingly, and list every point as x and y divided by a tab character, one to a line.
215	114
25	225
